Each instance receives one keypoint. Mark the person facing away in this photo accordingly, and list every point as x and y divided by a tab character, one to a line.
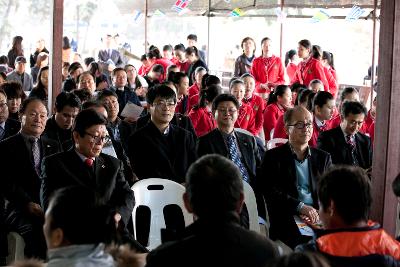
77	228
214	194
348	237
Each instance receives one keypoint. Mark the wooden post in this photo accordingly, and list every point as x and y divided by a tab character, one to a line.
55	75
386	162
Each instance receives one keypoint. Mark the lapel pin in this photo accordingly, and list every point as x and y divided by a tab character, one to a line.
103	166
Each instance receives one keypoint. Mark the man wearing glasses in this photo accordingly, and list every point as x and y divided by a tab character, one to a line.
345	143
86	166
289	177
161	149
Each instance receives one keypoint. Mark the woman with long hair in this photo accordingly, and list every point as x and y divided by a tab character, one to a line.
41	88
42	60
15	51
201	115
244	61
267	70
291	64
333	86
193	56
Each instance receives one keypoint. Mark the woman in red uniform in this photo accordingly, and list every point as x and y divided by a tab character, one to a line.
245	118
154	57
291	64
333	86
278	102
145	68
267	70
201	116
254	101
244	61
180	58
193	56
310	68
198	76
181	82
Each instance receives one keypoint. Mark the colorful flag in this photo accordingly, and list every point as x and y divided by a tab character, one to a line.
180	5
321	15
355	13
158	13
184	11
237	12
137	16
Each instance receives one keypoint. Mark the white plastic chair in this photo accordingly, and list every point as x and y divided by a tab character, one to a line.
274	142
16	246
251	205
156	193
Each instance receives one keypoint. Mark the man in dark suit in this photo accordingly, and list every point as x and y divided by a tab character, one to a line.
214	194
109	54
20	160
124	92
161	149
87	166
58	126
290	176
345	143
8	127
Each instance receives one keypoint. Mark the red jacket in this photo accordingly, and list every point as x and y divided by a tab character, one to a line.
245	118
271	115
203	121
183	105
267	70
258	105
291	71
308	70
333	85
360	242
143	70
183	66
165	63
194	90
194	100
317	131
371	132
279	130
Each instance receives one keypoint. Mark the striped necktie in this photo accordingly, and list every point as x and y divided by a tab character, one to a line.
235	157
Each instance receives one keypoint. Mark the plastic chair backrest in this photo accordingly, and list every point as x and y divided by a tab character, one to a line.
16	246
156	194
251	204
274	142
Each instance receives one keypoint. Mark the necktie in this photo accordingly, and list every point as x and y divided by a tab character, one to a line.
1	132
89	162
36	154
109	52
350	141
235	157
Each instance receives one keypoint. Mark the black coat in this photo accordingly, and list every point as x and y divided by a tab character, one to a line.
125	96
11	128
278	183
21	182
106	179
334	142
61	136
216	244
153	155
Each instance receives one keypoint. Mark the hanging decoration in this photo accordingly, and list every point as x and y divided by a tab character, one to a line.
137	16
355	13
237	12
321	15
158	13
180	5
280	15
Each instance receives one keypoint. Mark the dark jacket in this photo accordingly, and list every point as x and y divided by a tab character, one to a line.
11	128
106	179
334	142
193	67
368	246
125	96
155	155
61	136
278	183
69	84
216	243
21	182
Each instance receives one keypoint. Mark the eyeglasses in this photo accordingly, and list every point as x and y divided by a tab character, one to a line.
98	138
86	81
168	104
301	125
229	110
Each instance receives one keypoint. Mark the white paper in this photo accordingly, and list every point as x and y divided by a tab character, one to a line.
132	111
303	227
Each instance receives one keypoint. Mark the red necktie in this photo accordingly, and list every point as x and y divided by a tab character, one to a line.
89	162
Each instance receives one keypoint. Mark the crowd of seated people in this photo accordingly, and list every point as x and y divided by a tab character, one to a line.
112	126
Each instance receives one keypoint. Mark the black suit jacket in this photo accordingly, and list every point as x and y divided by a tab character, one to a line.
213	143
154	155
19	178
334	142
278	183
227	244
106	179
61	136
11	128
103	56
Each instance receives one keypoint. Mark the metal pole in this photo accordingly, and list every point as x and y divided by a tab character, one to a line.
145	26
281	32
373	67
208	33
77	23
